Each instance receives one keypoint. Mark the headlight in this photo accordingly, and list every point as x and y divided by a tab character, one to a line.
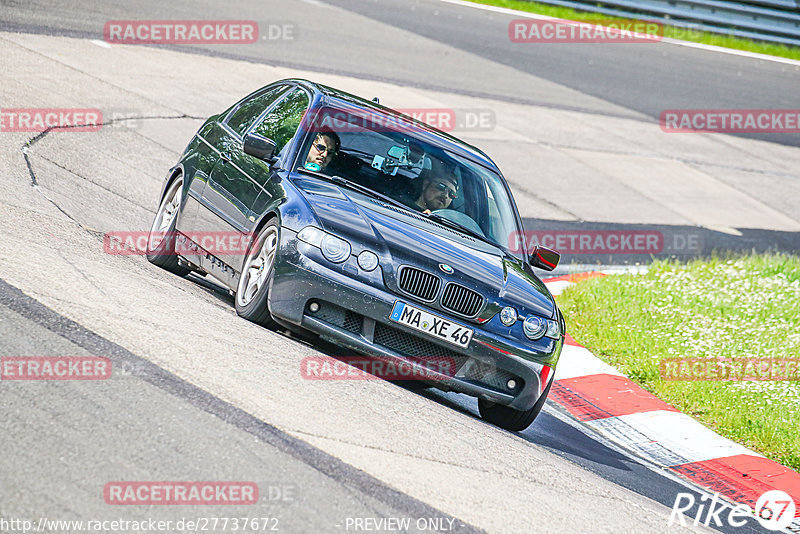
334	249
508	316
367	260
553	329
535	327
311	235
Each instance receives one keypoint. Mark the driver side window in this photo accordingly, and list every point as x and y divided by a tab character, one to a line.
281	123
247	112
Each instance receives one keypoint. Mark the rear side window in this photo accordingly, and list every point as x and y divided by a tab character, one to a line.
249	110
282	122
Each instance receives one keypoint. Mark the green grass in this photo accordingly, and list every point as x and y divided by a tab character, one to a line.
743	307
696	36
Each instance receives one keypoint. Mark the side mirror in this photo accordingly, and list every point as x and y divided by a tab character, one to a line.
544	258
259	146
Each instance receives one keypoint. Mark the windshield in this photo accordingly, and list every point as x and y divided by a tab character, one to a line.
383	154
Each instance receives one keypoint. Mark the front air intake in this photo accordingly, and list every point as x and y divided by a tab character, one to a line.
418	283
461	300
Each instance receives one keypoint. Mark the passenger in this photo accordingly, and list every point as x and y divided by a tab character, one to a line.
322	151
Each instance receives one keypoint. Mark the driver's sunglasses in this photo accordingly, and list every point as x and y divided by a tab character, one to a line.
322	149
452	193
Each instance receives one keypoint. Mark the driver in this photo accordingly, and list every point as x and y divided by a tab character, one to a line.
438	192
322	151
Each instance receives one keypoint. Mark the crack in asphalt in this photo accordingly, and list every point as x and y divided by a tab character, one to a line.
38	137
100	186
39	188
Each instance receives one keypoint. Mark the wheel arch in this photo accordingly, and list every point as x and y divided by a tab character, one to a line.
265	218
172	175
260	224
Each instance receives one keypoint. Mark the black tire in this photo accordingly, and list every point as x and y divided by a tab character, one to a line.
413	385
161	239
251	294
508	418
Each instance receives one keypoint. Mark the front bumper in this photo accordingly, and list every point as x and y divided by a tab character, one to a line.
354	312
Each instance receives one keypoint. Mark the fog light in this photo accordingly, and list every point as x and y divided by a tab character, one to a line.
313	306
508	316
367	260
512	384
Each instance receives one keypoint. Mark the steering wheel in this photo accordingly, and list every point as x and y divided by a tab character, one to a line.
461	218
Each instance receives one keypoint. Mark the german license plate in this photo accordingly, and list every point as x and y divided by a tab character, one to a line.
431	324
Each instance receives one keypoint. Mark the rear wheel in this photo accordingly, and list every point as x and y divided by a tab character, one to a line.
509	418
161	240
257	272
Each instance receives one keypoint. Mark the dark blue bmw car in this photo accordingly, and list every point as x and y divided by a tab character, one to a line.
372	230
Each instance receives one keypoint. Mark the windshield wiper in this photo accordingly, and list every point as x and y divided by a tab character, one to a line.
460	227
338	180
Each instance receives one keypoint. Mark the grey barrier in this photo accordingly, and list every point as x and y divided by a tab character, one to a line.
776	21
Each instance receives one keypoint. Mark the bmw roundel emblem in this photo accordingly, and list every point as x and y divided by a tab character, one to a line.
446	268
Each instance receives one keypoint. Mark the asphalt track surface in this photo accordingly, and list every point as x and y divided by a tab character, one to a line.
150	422
463	50
159	422
353	40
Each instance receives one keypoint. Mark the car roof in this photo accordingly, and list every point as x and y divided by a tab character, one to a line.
340	99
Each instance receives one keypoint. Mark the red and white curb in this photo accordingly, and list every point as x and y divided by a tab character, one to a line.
598	395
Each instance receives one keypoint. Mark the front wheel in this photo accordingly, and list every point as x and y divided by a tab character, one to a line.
509	418
257	271
161	239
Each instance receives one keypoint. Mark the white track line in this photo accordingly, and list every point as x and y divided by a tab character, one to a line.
579	361
556	288
678	42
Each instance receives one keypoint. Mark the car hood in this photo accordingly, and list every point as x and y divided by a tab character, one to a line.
404	238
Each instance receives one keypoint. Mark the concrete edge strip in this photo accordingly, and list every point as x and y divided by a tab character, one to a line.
599	396
30	308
